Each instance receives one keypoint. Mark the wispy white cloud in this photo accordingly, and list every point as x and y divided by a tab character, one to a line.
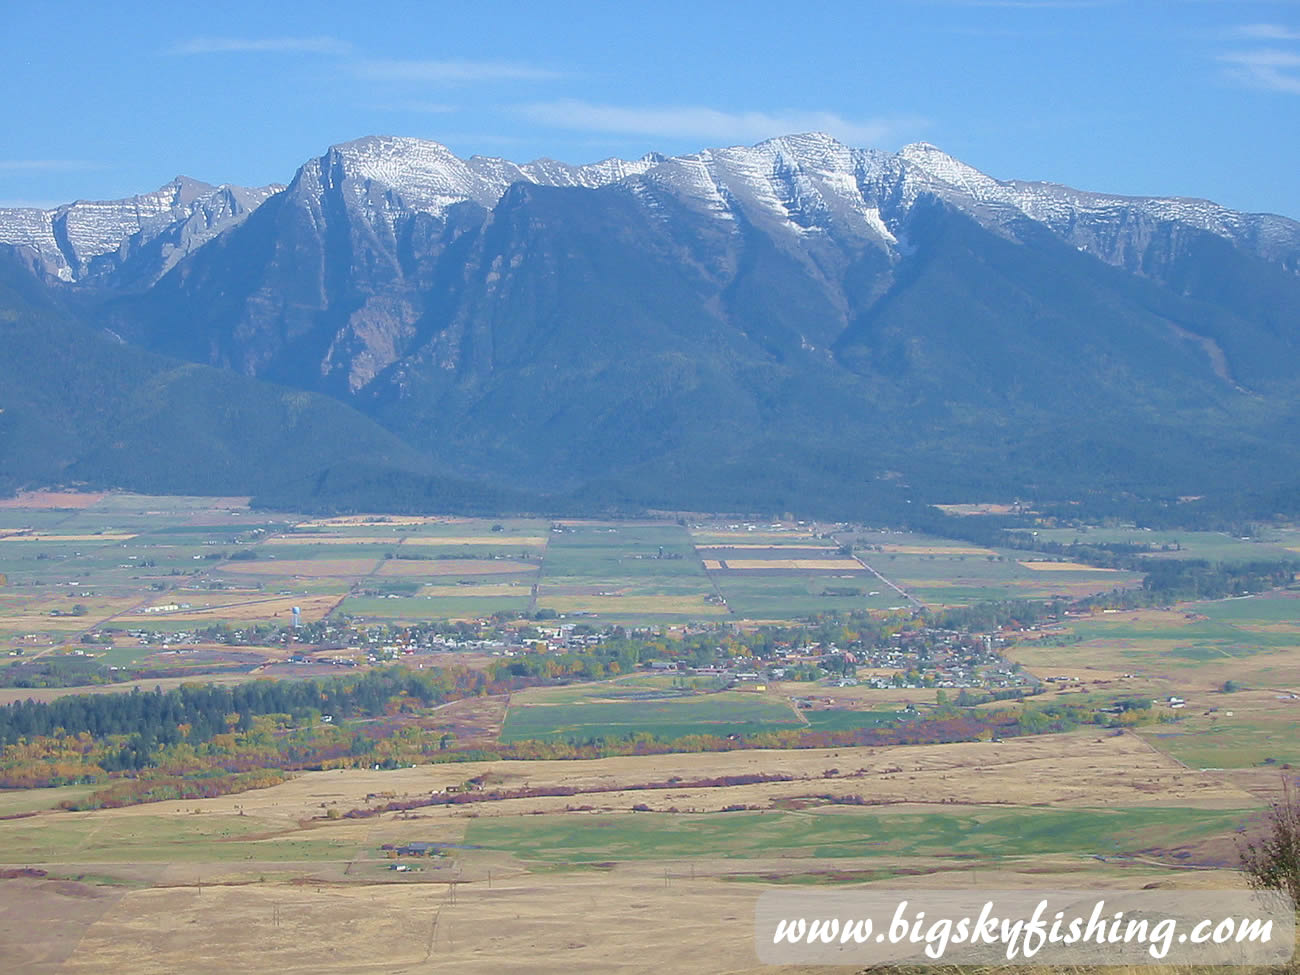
1265	32
453	71
1267	68
262	45
709	123
48	165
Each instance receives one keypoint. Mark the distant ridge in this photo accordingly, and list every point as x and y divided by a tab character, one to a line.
793	325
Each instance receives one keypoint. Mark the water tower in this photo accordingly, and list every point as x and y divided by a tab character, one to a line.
297	618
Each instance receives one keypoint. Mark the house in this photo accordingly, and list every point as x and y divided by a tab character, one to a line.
419	848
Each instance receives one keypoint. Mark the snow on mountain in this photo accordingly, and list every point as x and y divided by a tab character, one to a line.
793	188
68	240
416	174
1106	225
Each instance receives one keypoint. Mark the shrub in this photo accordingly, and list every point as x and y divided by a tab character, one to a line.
1272	861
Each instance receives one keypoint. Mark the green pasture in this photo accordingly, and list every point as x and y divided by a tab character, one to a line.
106	837
843	720
665	716
1214	546
417	608
1267	609
628	550
799	594
1245	740
16	802
982	835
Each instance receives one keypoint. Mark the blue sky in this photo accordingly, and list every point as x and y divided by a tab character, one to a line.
1184	97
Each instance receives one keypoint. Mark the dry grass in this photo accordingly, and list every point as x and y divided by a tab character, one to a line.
1064	567
8	695
936	550
455	567
634	916
352	521
840	565
488	589
53	499
693	605
977	509
237	609
298	540
320	568
739	546
104	537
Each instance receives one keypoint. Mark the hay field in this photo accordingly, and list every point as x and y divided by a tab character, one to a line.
71	537
53	499
407	568
280	541
331	568
511	589
1189	646
211	607
1063	567
195	886
353	521
621	606
827	564
935	549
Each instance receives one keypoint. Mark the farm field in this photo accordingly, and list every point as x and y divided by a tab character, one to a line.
264	878
284	877
1272	545
638	573
617	710
940	573
990	835
783	575
115	555
1255	642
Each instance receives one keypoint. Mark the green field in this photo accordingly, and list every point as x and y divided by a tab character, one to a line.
981	836
795	595
844	720
416	608
664	716
1213	546
87	838
628	572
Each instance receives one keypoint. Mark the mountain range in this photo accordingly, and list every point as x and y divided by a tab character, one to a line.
793	326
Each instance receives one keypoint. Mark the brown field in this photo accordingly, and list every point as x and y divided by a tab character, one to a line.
798	564
977	509
243	609
324	568
489	589
711	564
32	613
188	912
53	499
105	537
10	694
935	550
767	540
738	545
349	521
453	567
1064	567
393	539
694	605
500	541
